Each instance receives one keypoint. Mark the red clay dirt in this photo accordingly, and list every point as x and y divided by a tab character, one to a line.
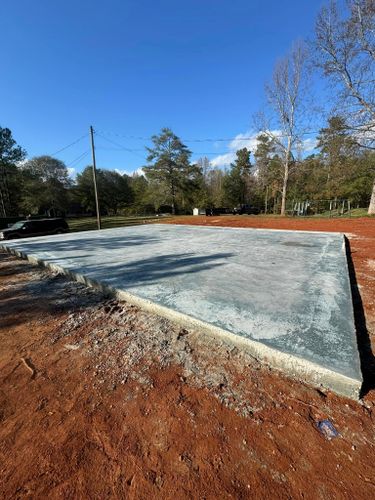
99	399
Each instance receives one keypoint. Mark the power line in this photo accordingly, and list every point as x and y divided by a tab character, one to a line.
139	138
134	150
78	159
69	145
120	146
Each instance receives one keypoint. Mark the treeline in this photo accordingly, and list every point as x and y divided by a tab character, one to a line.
341	169
272	176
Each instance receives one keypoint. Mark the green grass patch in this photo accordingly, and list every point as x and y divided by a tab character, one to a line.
355	212
90	223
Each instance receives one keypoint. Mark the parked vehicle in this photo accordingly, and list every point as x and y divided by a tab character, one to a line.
37	227
217	211
246	209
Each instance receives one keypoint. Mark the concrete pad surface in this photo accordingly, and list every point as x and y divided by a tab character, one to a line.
284	290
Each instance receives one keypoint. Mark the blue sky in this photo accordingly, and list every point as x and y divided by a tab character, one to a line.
132	67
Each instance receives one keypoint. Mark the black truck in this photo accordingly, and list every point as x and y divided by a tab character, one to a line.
246	209
36	227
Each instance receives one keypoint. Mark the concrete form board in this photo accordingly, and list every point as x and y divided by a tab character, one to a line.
284	295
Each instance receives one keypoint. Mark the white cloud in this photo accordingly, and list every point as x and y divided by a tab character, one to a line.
72	172
223	160
139	171
244	140
121	172
309	144
249	140
366	134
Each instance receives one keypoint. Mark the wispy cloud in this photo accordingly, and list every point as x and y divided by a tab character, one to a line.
244	140
309	144
72	172
120	171
249	140
223	160
139	171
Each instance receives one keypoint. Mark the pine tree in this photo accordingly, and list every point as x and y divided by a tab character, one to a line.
238	180
10	155
170	167
263	158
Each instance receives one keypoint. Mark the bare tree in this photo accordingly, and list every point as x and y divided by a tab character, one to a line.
285	95
345	51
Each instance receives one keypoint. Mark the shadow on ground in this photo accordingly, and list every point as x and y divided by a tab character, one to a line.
363	339
27	289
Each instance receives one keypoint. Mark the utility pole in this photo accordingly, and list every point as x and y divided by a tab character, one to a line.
94	178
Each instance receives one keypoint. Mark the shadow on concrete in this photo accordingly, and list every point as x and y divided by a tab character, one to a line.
57	294
366	355
115	242
152	270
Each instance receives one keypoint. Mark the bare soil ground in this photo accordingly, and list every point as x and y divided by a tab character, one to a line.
99	399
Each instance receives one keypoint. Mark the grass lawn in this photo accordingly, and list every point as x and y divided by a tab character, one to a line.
355	212
90	224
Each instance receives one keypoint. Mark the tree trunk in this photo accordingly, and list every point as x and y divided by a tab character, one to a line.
371	208
173	206
173	191
2	203
3	191
275	203
285	185
286	177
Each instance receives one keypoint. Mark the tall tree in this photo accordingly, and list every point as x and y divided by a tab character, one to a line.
193	192
204	165
170	166
238	180
309	180
10	155
263	157
139	186
214	184
345	51
45	182
114	190
285	95
337	149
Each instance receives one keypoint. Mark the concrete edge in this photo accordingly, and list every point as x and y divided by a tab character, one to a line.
288	364
266	229
160	222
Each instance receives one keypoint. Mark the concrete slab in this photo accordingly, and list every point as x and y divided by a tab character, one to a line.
283	295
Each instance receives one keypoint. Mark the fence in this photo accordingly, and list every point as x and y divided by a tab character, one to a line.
328	208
